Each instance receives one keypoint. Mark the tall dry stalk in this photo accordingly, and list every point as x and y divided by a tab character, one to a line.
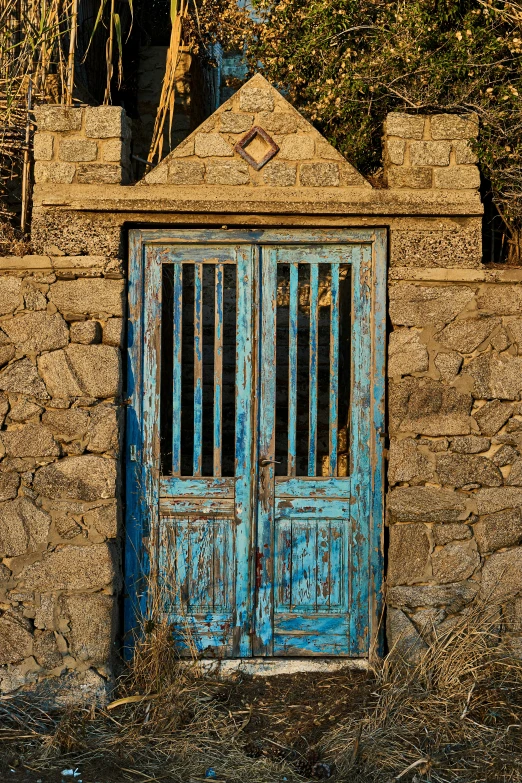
178	15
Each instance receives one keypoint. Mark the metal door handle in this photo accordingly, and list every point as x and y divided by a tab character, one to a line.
264	462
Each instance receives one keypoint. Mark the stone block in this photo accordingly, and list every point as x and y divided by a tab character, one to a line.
502	576
115	151
22	378
419	305
34	299
92	624
37	331
455	561
23	527
105	122
88	296
515	475
406	353
449	244
406	644
448	365
44	615
319	175
350	177
85	332
457	178
514	330
491	500
46	651
157	175
428	407
496	376
451	126
43	146
97	368
407	126
230	173
10	294
454	596
505	456
60	381
297	148
326	151
73	689
32	440
498	530
404	177
76	150
212	145
407	463
54	173
67	425
256	99
9	483
500	299
426	504
279	175
105	519
463	153
492	416
278	122
186	172
239	122
470	444
466	335
99	174
408	554
58	118
113	332
430	153
73	568
7	352
451	531
77	478
16	639
395	151
102	433
457	470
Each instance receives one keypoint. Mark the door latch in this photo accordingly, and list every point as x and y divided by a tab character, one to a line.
264	462
133	452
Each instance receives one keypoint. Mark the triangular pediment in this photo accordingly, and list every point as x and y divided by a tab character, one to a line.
256	139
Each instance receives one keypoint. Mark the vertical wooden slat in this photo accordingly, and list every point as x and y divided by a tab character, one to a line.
218	369
244	448
312	432
263	639
198	369
176	369
334	368
292	367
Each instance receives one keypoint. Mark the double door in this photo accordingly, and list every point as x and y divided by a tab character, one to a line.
254	461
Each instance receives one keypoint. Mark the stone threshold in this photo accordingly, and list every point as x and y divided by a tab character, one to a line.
273	667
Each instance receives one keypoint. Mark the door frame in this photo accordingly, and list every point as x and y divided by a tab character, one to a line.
142	459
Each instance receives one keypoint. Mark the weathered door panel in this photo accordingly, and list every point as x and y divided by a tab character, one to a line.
254	479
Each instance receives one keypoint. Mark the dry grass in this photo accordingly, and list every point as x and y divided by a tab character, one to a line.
457	716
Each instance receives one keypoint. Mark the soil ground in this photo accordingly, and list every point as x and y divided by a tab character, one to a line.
282	717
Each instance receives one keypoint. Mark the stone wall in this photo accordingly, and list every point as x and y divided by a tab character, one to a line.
61	327
86	145
455	410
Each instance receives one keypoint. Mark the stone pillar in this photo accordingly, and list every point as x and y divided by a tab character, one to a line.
87	145
430	152
455	403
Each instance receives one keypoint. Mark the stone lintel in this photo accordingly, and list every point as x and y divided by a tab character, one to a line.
205	199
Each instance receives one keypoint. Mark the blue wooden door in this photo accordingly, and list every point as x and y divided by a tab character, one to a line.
254	460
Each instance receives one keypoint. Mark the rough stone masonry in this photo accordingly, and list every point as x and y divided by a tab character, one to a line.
454	372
